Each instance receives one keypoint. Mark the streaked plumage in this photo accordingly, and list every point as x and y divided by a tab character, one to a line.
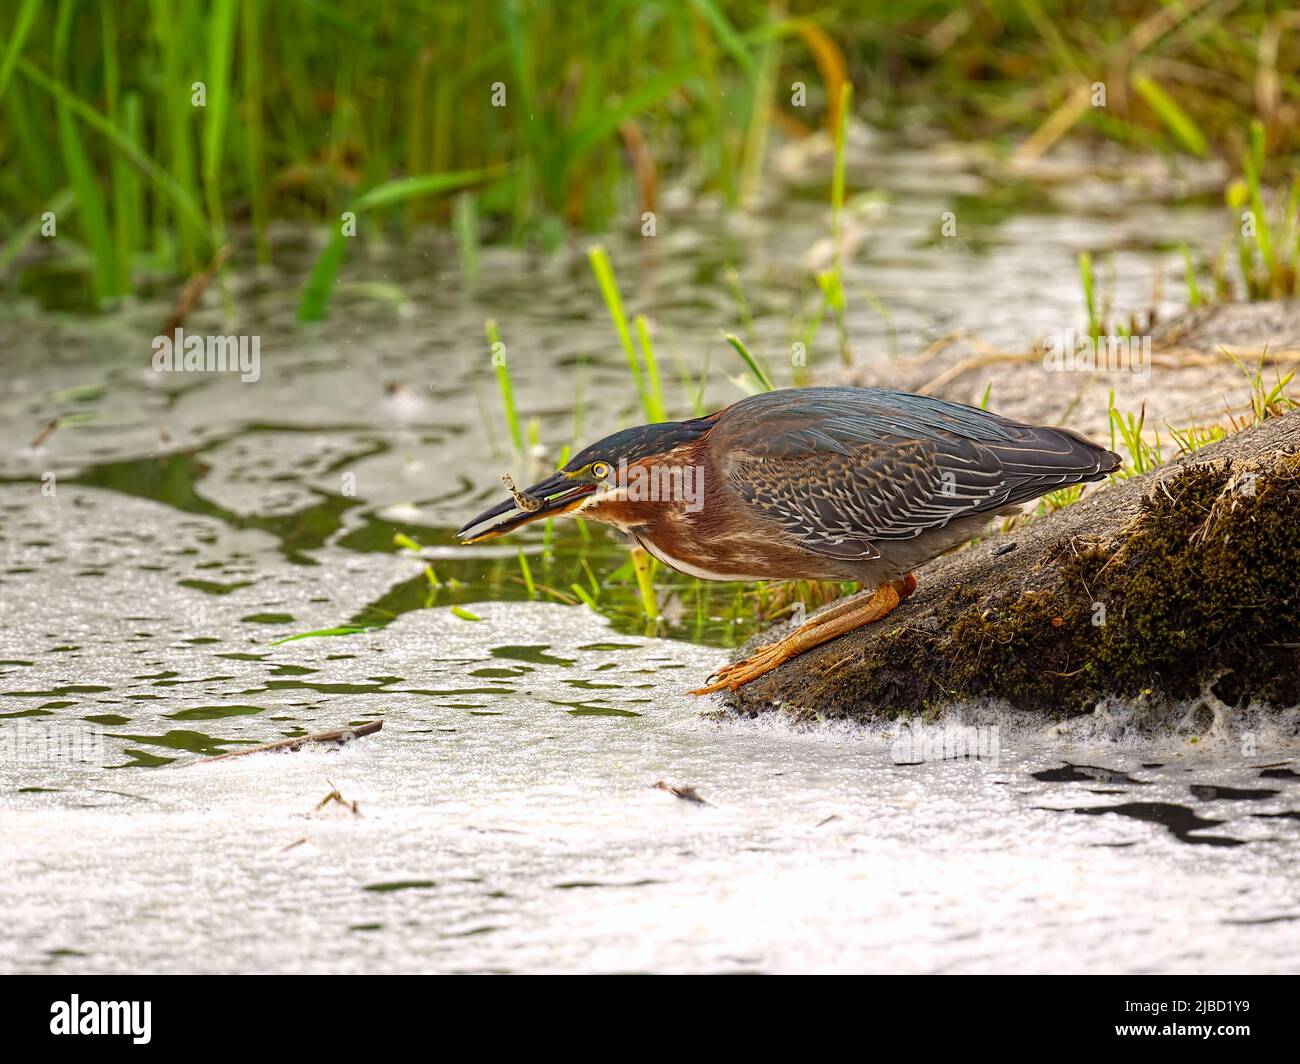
858	484
853	474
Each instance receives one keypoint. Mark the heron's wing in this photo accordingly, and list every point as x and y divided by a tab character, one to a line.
840	469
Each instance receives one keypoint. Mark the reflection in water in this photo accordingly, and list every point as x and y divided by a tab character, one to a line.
1085	773
1207	793
1180	820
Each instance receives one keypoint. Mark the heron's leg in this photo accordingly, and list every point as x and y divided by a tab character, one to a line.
827	625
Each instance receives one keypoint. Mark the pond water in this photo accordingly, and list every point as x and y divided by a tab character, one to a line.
162	541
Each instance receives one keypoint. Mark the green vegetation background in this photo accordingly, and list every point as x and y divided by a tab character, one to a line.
311	107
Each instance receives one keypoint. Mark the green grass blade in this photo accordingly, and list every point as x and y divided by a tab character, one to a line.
653	385
759	373
727	36
63	204
1089	282
319	287
501	366
527	572
644	567
837	178
255	156
637	101
585	595
1193	290
82	176
464	225
604	271
404	188
346	629
22	26
1175	119
1254	164
314	301
760	119
220	39
163	181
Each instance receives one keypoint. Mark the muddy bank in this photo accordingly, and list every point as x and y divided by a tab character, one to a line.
1163	586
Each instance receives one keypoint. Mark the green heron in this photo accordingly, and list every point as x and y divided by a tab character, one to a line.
856	484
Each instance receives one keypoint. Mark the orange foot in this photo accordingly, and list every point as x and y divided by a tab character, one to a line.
828	624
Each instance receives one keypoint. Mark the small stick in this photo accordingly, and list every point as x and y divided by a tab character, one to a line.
339	736
192	292
685	793
46	432
335	796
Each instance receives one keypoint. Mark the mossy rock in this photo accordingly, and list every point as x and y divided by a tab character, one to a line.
1156	587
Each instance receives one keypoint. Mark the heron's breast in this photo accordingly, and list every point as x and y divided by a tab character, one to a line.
702	545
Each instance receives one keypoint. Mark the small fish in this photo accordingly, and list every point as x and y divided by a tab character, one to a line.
523	500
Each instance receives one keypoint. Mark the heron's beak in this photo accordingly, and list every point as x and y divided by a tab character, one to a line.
557	494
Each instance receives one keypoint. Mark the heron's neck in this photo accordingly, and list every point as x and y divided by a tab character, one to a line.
653	492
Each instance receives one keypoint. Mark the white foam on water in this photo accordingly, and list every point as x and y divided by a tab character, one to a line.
533	839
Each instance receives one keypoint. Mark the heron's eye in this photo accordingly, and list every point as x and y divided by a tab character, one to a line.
600	470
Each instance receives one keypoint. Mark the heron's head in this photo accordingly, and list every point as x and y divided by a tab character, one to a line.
576	486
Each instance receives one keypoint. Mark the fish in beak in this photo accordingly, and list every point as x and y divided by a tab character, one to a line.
558	494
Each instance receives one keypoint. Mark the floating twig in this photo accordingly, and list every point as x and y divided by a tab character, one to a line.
337	737
192	292
686	794
46	432
336	796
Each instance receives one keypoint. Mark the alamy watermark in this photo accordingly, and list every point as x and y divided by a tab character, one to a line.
46	744
658	483
209	354
1069	352
916	742
77	1017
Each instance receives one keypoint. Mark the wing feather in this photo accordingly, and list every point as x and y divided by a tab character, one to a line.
842	469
